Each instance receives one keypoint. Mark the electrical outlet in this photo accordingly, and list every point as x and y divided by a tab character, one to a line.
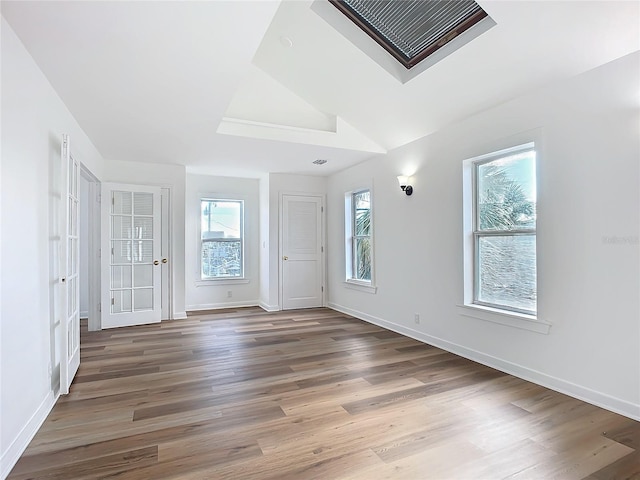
416	318
229	294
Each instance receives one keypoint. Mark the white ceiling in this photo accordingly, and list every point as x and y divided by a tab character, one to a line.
213	86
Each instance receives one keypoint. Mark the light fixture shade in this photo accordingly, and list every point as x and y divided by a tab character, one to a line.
403	180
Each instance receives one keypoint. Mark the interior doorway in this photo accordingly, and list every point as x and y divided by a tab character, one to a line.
89	229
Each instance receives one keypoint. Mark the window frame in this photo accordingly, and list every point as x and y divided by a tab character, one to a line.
221	279
467	309
478	234
351	280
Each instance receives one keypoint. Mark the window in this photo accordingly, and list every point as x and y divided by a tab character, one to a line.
412	30
359	236
221	227
504	230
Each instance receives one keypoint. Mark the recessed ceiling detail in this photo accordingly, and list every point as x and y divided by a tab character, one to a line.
411	30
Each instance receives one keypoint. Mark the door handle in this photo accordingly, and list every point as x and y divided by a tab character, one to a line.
164	260
156	262
285	258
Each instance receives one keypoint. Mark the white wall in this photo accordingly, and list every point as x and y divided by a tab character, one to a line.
588	230
163	175
33	121
214	294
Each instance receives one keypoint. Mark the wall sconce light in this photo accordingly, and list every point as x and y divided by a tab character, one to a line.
404	184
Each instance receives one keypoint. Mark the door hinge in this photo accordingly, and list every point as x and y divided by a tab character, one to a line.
113	301
321	209
321	249
322	289
100	307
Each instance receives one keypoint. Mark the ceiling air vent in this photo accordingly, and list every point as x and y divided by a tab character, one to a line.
411	30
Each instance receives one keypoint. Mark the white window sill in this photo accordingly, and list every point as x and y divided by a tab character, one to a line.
361	286
503	317
212	282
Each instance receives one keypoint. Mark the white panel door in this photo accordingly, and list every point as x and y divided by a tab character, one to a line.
131	262
69	269
302	263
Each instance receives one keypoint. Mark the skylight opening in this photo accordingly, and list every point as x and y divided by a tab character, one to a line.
412	30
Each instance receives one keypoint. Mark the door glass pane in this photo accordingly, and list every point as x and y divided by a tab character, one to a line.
143	299
121	301
70	291
74	190
120	226
74	211
143	276
121	276
74	255
142	203
507	268
121	203
143	227
69	257
143	251
70	179
121	251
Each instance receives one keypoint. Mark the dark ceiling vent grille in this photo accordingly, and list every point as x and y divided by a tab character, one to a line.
411	30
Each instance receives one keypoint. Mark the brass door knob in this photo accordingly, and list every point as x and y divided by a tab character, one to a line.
285	258
164	260
156	262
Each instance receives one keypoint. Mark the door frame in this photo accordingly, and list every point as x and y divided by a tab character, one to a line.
323	241
93	240
166	193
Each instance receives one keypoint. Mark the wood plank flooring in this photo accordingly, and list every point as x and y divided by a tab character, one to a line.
311	394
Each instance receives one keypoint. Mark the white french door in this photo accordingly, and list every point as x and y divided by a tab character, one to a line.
69	269
302	259
131	264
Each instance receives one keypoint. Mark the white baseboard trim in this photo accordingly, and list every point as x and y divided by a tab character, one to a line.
269	308
217	306
585	394
12	454
84	314
179	315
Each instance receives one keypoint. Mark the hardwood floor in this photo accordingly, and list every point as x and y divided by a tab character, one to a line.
245	394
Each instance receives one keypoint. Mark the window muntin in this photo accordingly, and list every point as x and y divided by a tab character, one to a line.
221	239
505	231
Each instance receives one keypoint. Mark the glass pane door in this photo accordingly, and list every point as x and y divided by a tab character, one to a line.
134	241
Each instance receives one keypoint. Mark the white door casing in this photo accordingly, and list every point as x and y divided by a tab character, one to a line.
302	263
165	253
69	313
131	262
